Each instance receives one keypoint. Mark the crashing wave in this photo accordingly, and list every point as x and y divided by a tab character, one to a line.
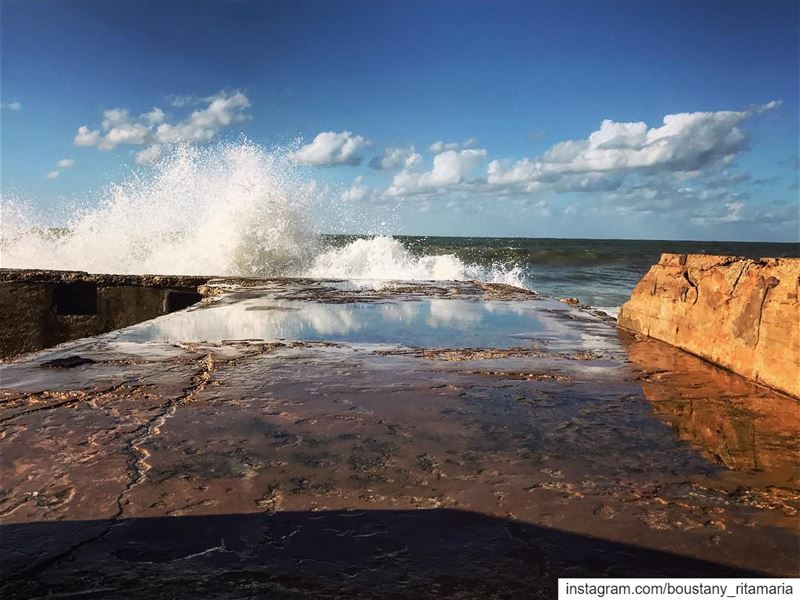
233	209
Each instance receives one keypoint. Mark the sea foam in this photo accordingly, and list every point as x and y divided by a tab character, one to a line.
230	209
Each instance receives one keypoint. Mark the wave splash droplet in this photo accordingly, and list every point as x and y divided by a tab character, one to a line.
231	209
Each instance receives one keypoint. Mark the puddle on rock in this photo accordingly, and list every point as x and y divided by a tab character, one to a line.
426	322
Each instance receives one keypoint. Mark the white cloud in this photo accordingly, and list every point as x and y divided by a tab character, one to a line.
64	163
734	212
357	191
15	106
203	124
115	116
151	130
685	142
331	148
439	147
154	116
542	208
150	154
86	137
397	158
588	182
179	101
121	131
712	198
771	105
450	168
681	166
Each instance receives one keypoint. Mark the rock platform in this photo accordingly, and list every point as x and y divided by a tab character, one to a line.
317	439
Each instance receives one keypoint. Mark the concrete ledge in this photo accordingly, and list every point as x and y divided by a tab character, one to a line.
39	309
739	313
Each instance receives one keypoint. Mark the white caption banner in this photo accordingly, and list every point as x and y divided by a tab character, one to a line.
678	588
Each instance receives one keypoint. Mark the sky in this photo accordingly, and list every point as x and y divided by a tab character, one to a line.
588	119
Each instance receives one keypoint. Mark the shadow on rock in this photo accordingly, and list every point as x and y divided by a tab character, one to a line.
438	553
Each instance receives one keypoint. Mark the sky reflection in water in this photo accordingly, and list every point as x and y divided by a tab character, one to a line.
427	322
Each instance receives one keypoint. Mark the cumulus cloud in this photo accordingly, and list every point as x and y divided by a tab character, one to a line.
684	142
64	163
667	193
15	106
331	148
729	212
203	124
587	182
357	191
179	101
439	147
86	137
707	204
771	105
714	198
734	214
155	116
183	100
450	167
150	154
681	166
151	129
397	158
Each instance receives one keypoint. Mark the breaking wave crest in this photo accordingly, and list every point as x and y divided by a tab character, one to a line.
231	209
383	257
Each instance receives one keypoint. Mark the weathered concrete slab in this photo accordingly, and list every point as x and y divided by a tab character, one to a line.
740	313
39	309
275	441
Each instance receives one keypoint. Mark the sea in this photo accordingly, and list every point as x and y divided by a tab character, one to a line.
239	209
599	272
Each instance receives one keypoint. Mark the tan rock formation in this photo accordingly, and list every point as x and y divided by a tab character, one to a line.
739	313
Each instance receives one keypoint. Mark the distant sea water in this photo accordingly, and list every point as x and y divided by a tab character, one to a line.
600	273
239	209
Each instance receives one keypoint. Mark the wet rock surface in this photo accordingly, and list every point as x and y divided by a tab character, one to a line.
291	452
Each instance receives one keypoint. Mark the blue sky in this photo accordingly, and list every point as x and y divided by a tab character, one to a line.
551	115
